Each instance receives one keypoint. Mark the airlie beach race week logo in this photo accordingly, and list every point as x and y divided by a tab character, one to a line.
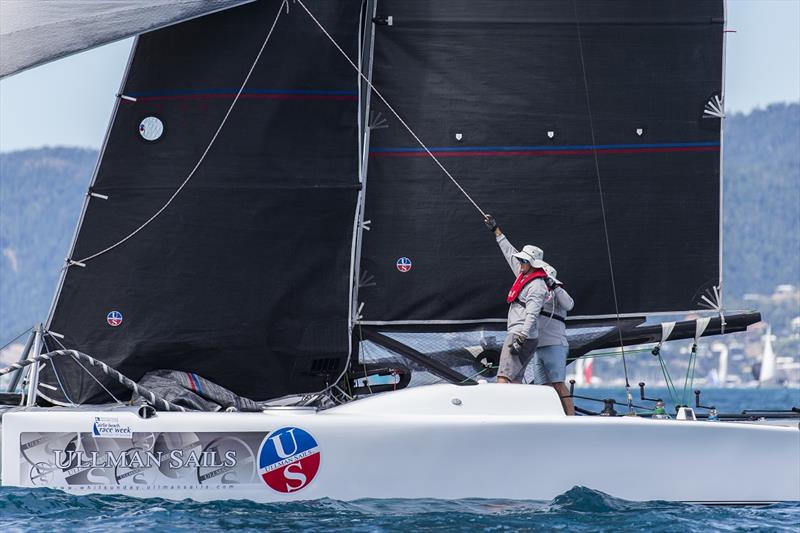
288	459
109	427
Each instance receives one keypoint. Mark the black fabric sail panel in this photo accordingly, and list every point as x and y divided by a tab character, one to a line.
244	278
496	90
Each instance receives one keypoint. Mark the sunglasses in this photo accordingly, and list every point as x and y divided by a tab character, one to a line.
523	261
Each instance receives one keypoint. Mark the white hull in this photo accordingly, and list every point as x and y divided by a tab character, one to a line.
442	441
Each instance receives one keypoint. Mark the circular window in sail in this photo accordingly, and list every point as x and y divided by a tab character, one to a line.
151	129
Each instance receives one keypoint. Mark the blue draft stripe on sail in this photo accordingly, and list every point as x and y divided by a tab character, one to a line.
545	148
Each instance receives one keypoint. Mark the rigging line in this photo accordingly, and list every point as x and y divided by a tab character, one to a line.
480	373
688	381
671	389
205	152
6	345
602	201
397	116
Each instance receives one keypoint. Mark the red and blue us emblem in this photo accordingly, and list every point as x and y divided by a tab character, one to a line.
288	459
114	318
404	264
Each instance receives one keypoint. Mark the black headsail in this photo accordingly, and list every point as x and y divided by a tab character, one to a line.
515	98
496	90
244	278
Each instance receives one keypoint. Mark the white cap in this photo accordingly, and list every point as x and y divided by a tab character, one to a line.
532	254
551	272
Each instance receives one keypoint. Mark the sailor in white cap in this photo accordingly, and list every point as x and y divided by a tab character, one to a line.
550	359
525	303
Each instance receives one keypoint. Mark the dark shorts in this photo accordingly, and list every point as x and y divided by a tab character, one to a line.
512	367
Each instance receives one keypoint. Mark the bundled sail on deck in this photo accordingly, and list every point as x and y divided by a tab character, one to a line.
244	278
496	90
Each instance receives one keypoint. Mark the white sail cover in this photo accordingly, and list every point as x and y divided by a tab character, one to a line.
33	32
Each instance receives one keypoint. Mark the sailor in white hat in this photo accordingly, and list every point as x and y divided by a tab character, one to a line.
525	303
550	359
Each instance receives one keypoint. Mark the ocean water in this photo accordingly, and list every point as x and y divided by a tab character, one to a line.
725	400
579	509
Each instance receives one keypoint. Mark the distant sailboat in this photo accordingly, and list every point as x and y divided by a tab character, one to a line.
583	371
578	367
720	374
766	376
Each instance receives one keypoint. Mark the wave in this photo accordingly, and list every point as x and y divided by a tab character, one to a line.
578	509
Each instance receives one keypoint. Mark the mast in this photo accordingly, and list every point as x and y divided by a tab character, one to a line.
366	49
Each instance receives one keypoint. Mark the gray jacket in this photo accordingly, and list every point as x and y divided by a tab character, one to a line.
552	331
523	313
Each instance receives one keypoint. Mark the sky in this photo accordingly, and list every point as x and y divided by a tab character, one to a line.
69	102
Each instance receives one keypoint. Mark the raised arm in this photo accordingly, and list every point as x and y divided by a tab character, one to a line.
506	247
508	252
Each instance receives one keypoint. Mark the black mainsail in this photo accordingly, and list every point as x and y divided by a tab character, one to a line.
496	90
244	278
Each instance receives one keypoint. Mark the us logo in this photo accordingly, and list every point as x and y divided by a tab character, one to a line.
114	318
288	459
404	264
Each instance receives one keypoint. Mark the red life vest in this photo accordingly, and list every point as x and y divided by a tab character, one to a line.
523	280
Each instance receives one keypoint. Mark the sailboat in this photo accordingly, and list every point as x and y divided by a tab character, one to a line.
766	374
286	218
719	375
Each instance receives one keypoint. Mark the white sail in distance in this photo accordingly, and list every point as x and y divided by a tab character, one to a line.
767	374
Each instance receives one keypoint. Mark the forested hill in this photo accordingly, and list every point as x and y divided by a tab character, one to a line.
762	200
41	193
